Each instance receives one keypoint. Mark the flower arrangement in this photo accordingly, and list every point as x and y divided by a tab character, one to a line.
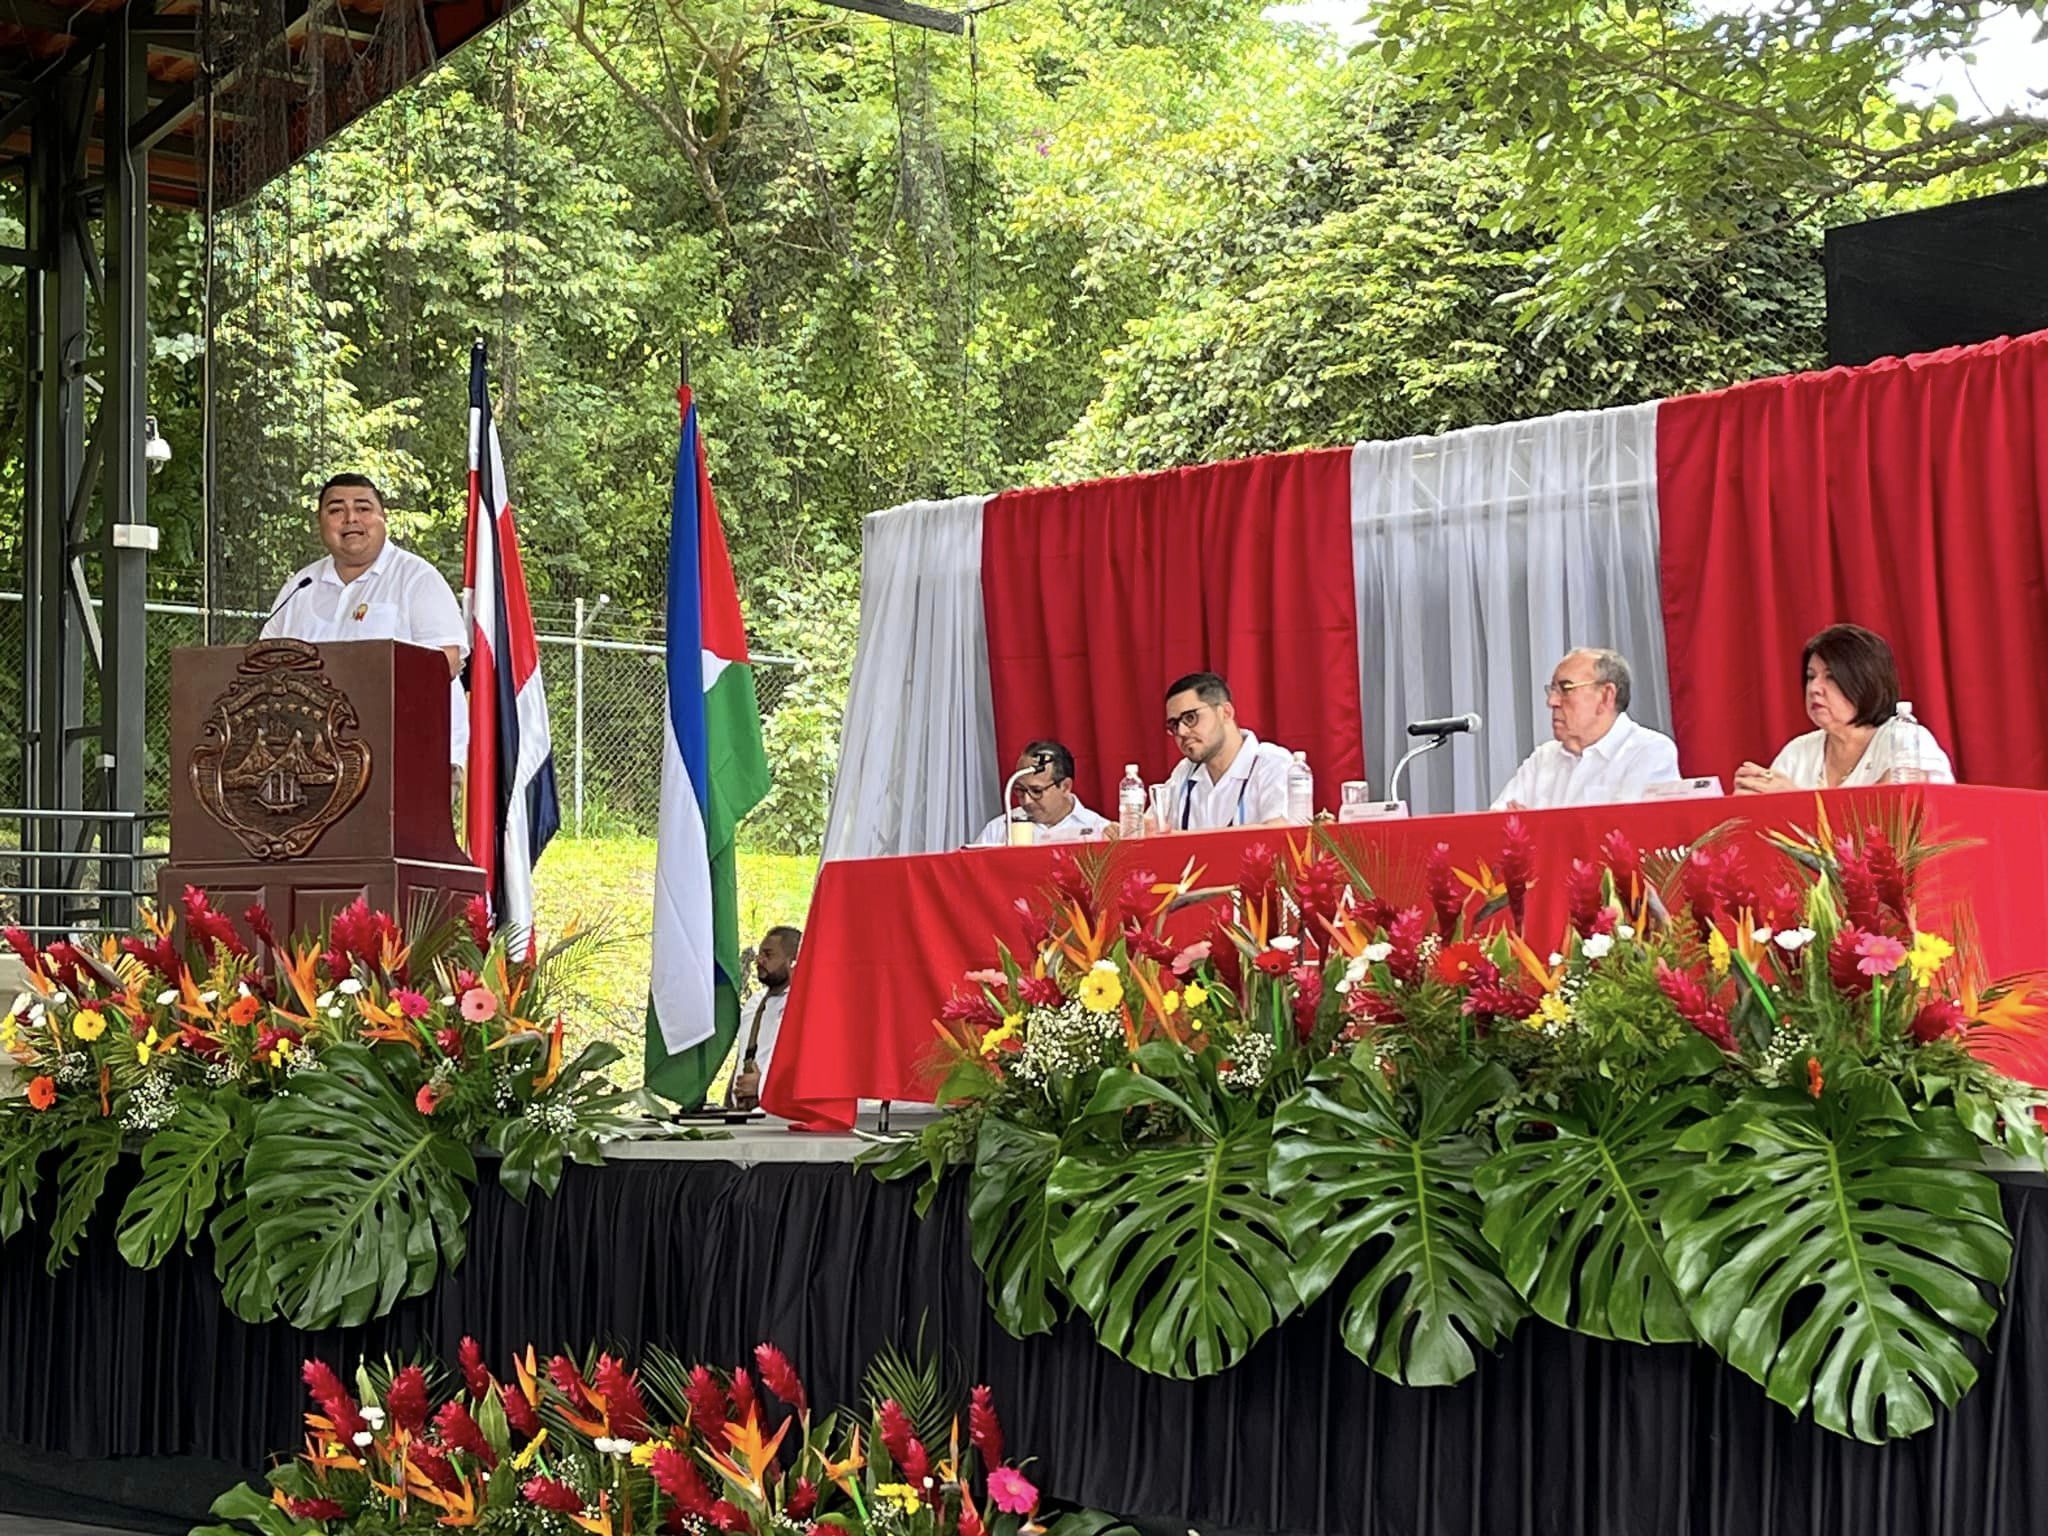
260	1080
1701	1098
595	1446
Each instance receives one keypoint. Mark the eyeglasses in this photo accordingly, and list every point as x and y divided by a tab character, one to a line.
1038	791
1560	691
1185	720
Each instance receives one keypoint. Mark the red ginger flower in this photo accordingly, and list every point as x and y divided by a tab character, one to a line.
158	955
729	1517
1624	863
1135	896
970	1522
1033	926
743	1404
1071	883
210	927
1319	891
24	949
1938	1017
434	1466
1860	901
358	933
1731	884
550	1494
257	916
1845	964
1888	872
1517	866
333	1399
1582	896
1695	1007
478	915
781	1377
1442	884
1369	1008
1499	999
707	1406
1405	934
1308	999
519	1412
900	1441
1255	876
970	1005
1143	942
1700	890
984	1428
676	1475
625	1412
460	1432
1375	914
1039	991
802	1500
313	1509
406	1402
569	1382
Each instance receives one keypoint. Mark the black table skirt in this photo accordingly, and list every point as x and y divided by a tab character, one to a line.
1558	1434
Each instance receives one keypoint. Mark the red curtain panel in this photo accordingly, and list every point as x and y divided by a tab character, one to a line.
1909	496
1098	595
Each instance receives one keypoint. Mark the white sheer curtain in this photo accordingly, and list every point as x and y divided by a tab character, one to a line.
1480	558
917	768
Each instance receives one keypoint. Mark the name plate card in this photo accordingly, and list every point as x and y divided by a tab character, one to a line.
1373	810
1707	787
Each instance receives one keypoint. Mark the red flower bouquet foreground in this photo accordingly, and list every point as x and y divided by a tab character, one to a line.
595	1446
257	1075
1743	1072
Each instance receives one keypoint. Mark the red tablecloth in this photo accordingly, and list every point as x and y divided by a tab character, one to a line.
888	938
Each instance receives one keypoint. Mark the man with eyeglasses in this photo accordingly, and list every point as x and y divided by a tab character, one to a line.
1046	796
1226	777
1599	755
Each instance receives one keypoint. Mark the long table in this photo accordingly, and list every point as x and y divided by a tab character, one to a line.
887	939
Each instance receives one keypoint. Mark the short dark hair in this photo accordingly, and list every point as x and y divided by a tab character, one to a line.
1860	662
1058	759
1206	686
793	937
346	480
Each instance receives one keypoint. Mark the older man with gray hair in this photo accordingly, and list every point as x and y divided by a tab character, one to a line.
1599	756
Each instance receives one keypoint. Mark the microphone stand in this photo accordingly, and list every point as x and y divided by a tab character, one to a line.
1394	783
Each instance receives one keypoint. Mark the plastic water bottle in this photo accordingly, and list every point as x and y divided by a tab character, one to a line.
1301	791
1130	803
1906	766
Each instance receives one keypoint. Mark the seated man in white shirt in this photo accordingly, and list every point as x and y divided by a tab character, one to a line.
775	965
1046	797
1226	777
367	588
1600	756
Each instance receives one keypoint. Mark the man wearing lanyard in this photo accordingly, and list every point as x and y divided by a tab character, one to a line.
1226	777
367	588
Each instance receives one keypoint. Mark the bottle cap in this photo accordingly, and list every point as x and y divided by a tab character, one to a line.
1301	758
1130	769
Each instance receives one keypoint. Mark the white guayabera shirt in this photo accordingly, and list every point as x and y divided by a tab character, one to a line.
1616	768
400	597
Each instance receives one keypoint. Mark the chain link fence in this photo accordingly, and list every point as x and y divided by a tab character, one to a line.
605	686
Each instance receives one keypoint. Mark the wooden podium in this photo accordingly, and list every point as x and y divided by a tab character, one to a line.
304	776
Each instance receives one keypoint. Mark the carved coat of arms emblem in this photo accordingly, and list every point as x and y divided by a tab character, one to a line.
278	760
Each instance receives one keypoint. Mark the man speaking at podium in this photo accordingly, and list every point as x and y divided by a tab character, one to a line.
369	589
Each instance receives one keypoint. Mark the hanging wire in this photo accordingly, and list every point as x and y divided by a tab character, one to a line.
968	457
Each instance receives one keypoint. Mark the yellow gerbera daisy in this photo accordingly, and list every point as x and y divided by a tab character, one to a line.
88	1024
1717	951
1194	994
1102	991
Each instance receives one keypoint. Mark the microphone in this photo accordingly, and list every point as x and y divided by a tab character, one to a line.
1452	726
306	581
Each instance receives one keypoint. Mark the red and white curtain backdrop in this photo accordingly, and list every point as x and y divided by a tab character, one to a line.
1346	592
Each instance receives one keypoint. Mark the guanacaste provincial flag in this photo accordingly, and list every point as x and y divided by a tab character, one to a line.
713	772
512	808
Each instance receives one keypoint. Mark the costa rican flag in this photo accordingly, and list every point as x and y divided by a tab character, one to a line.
512	807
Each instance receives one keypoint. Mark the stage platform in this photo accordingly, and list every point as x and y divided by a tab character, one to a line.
141	1388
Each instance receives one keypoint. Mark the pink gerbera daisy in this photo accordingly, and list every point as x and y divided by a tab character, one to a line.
480	1003
1879	954
1012	1491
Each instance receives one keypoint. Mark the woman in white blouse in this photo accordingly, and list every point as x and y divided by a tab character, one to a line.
1852	695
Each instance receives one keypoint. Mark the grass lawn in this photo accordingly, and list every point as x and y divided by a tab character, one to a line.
611	880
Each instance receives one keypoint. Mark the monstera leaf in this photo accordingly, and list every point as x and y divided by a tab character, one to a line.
1839	1254
1175	1252
184	1168
238	1262
85	1158
1355	1167
21	1171
357	1198
1011	1217
1572	1197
